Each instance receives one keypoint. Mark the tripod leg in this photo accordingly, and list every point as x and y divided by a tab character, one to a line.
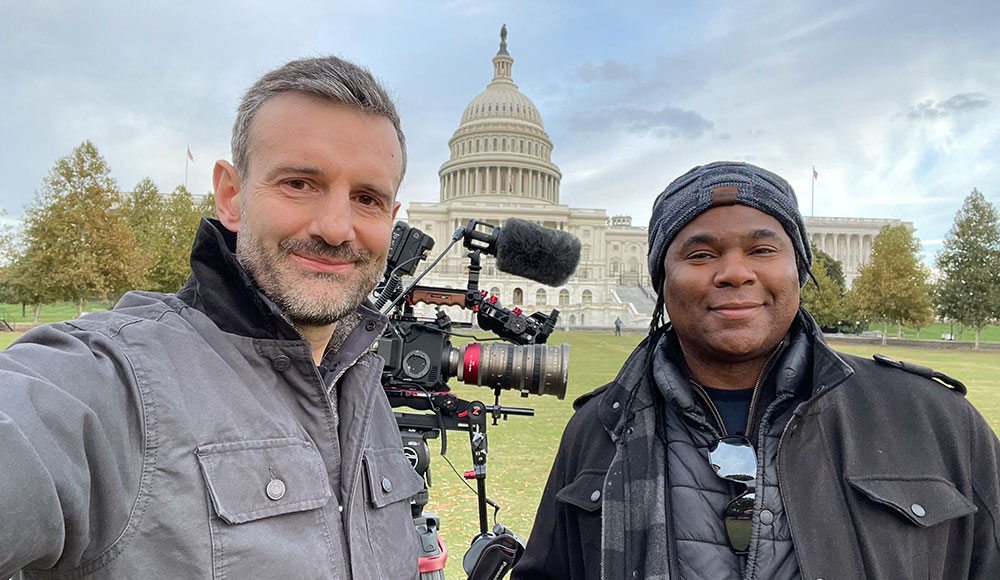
433	553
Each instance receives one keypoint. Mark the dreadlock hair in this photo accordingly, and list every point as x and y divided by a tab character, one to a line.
657	321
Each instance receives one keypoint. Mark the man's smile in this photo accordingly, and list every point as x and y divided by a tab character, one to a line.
736	310
323	264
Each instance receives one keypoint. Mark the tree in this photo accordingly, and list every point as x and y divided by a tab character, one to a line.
969	291
77	239
892	286
834	269
824	299
206	207
181	218
8	255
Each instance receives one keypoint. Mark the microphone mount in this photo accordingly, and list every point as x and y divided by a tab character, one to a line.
484	240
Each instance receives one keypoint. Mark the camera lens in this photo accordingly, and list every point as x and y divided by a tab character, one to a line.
533	369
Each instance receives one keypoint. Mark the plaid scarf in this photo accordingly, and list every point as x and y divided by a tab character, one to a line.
634	541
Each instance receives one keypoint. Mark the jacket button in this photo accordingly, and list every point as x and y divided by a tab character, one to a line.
616	405
275	489
370	326
281	363
918	510
766	517
596	495
386	485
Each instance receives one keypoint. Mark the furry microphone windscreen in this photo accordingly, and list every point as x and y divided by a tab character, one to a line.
535	252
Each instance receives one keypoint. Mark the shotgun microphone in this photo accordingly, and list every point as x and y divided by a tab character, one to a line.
526	249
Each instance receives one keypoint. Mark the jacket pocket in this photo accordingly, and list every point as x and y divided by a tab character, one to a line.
267	498
907	526
389	476
389	483
586	491
924	502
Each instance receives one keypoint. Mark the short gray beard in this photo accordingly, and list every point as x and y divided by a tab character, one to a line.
272	271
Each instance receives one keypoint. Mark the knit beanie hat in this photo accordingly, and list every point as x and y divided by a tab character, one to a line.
724	183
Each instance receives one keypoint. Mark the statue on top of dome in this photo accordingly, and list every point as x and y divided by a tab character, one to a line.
503	38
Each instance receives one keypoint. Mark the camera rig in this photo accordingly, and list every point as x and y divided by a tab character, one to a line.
419	361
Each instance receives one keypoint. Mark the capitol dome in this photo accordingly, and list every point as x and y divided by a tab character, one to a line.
500	146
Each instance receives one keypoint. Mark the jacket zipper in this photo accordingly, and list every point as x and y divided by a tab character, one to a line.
753	400
760	378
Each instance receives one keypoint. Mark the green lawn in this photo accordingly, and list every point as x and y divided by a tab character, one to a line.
936	330
522	448
50	312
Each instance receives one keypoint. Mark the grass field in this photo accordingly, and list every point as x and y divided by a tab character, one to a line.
522	448
50	312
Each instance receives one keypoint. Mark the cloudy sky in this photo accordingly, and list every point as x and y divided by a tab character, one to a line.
895	103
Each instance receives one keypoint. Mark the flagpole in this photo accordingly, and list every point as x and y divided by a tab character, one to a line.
187	157
812	208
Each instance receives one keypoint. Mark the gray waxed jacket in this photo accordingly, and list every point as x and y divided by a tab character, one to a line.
192	436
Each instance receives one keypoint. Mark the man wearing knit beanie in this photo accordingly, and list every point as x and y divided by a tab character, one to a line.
735	443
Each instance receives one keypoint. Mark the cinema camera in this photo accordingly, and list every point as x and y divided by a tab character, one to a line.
420	359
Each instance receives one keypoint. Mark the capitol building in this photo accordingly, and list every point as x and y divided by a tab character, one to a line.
500	166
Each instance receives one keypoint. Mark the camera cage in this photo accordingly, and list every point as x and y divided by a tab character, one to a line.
429	392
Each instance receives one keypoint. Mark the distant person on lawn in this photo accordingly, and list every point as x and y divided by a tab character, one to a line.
618	326
735	443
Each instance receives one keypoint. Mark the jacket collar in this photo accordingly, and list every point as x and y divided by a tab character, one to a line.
633	388
223	290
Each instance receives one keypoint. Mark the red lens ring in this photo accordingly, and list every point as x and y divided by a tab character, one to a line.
470	374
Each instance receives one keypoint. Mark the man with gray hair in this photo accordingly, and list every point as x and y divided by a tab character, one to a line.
735	444
237	429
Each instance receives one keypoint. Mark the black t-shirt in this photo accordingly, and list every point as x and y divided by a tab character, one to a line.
733	406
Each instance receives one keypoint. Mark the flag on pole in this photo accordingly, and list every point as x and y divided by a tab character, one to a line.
191	157
815	175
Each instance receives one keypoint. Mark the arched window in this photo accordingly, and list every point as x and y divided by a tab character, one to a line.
494	291
504	143
614	267
522	145
540	297
587	297
494	143
585	252
518	296
477	145
564	297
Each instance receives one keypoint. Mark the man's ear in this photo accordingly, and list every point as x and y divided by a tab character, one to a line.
395	209
227	195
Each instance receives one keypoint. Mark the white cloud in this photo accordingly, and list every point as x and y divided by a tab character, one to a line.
892	102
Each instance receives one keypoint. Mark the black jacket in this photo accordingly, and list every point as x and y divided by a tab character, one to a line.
885	473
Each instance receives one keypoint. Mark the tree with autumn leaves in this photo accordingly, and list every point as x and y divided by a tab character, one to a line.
81	238
77	241
823	295
164	227
893	287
